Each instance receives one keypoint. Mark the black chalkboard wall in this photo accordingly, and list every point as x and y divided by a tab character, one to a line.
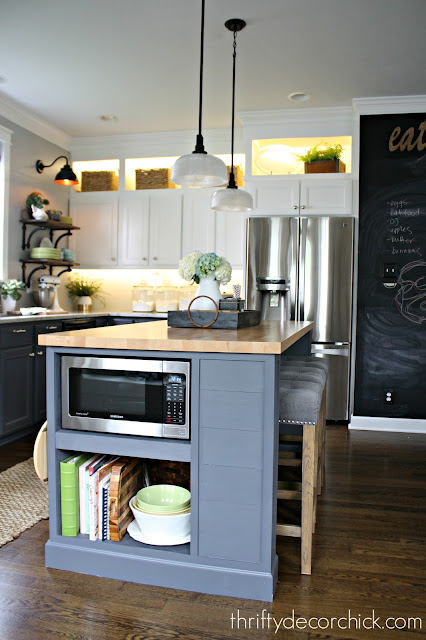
391	320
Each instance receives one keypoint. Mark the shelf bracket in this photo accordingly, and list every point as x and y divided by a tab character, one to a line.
67	233
26	242
64	271
28	280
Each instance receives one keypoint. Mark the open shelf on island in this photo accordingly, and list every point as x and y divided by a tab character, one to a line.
124	445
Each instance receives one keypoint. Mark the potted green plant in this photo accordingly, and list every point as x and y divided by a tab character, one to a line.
35	205
323	158
83	290
10	294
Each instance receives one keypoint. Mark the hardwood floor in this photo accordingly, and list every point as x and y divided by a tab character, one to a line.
369	554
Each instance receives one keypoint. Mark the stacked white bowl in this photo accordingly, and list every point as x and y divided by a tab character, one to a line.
163	511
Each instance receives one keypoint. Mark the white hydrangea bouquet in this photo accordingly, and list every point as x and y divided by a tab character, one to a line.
205	265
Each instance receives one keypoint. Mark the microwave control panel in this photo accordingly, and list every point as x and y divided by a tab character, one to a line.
175	389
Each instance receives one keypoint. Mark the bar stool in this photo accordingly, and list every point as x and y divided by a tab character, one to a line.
297	367
302	405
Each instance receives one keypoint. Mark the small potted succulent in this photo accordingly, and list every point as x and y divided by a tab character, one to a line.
323	158
10	294
83	290
35	205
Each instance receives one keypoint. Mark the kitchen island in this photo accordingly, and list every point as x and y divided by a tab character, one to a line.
232	452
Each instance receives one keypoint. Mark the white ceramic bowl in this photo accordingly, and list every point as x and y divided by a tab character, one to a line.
163	498
164	526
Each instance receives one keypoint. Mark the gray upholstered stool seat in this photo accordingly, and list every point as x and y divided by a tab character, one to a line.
300	400
302	372
319	363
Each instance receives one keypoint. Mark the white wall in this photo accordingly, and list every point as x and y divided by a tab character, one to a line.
25	150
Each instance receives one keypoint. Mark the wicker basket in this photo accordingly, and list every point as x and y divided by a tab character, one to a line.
99	181
153	179
238	174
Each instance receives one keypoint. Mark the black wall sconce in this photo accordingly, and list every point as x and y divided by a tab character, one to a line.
66	175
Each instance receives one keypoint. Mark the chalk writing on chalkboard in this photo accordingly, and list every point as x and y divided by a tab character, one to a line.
399	232
411	296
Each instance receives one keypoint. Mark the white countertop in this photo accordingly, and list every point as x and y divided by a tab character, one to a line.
4	318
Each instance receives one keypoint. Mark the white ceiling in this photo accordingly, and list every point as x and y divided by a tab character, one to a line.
69	62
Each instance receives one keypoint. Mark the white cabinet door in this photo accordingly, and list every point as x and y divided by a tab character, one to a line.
134	229
230	237
165	228
199	222
96	214
326	197
277	197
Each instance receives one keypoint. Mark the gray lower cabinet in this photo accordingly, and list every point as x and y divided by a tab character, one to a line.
16	375
23	377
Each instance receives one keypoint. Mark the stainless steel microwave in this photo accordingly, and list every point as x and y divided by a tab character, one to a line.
126	395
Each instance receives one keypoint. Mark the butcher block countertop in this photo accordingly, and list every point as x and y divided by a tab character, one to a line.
270	337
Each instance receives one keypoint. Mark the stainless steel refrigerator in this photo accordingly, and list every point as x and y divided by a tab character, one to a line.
301	268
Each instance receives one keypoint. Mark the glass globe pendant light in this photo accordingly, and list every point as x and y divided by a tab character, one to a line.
232	199
199	169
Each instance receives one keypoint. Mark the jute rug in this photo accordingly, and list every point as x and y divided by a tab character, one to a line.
23	500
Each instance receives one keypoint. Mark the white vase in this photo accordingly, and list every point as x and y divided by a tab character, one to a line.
8	304
208	286
39	214
84	304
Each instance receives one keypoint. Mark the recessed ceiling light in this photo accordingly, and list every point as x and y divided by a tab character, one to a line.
108	118
299	96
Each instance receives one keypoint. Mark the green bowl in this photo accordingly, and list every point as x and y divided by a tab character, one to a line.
163	498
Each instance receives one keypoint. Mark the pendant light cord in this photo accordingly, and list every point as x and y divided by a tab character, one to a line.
232	184
199	147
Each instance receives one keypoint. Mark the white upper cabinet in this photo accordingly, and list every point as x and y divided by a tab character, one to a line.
277	197
97	216
199	222
165	228
326	197
304	197
230	237
134	229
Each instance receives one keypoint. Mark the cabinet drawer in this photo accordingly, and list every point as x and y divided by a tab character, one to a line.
47	327
17	334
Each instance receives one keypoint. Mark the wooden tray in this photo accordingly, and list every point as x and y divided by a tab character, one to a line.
126	480
225	319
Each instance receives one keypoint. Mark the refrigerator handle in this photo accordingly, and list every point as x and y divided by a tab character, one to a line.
302	258
294	273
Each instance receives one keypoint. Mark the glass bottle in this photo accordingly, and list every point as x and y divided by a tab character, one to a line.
143	297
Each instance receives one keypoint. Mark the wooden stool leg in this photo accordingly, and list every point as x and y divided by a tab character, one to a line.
308	489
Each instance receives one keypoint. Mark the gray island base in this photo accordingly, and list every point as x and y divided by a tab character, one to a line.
232	452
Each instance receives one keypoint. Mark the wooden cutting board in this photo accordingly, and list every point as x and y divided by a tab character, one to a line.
40	453
126	480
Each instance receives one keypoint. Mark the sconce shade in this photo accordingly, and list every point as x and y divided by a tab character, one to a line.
199	170
231	200
66	175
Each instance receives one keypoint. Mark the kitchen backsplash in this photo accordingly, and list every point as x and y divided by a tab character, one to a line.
118	283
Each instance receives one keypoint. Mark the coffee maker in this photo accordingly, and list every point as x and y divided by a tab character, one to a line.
274	301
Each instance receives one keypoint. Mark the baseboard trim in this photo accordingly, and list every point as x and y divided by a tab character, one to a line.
401	425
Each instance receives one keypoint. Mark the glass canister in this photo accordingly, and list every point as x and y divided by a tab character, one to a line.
166	298
186	294
143	297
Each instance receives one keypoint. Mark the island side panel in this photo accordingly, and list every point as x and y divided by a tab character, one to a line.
237	460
